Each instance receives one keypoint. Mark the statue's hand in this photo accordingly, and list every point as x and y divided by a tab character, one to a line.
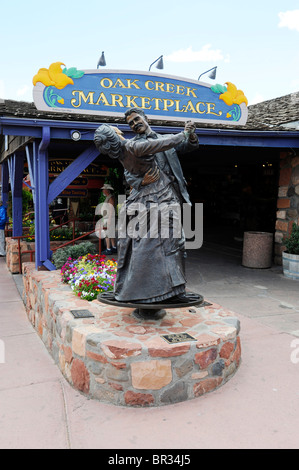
190	127
151	176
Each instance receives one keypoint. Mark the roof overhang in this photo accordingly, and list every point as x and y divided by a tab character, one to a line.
60	129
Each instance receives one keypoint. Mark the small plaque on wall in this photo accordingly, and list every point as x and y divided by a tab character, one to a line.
178	338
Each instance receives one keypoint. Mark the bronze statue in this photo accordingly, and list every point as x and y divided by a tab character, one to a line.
150	268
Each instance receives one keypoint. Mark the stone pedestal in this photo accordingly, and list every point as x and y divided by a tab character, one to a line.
119	359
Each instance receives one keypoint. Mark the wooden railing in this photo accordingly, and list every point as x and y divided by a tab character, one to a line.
31	252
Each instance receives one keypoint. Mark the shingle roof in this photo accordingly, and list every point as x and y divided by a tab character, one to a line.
277	114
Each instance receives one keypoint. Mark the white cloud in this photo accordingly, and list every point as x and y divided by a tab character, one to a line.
23	91
204	55
289	19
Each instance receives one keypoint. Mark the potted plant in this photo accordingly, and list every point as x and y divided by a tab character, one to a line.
290	257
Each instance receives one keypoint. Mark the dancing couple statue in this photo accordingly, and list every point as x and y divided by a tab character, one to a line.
151	265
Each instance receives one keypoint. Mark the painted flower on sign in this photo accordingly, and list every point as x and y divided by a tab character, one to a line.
53	76
56	77
231	96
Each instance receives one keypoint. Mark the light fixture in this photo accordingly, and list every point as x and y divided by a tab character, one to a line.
211	75
102	61
160	64
75	135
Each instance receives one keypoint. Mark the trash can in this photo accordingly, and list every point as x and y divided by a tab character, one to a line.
257	250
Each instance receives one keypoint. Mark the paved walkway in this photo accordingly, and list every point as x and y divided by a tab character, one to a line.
257	408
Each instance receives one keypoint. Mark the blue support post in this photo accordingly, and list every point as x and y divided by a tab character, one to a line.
5	183
30	160
36	204
16	168
42	234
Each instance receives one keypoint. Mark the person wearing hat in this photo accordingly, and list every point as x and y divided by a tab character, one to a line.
3	219
108	219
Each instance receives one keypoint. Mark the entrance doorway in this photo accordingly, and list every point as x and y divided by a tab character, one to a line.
238	188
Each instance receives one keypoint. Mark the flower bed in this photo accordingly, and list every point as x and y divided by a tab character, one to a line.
89	275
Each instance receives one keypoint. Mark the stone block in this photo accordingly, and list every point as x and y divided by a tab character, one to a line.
138	399
157	347
206	385
80	376
177	393
115	349
282	226
295	176
226	350
151	375
283	203
285	176
183	367
205	358
79	338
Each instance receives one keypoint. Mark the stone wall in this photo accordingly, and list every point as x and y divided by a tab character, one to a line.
288	200
117	359
12	253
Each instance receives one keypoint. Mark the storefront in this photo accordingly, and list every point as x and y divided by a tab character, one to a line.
246	171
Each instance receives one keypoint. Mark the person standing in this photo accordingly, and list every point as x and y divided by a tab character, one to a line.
3	219
108	221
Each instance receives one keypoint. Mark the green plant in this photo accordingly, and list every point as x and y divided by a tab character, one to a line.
63	233
60	256
27	202
292	242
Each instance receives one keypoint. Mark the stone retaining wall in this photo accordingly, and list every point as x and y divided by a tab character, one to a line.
12	253
288	200
120	360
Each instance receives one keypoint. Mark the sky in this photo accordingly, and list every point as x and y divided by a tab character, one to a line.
254	44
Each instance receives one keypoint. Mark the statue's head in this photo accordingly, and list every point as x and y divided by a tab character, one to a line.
108	140
137	120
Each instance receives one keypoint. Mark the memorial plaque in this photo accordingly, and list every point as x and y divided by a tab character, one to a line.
82	314
178	338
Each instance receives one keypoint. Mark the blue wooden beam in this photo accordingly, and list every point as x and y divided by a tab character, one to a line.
36	203
5	183
208	136
42	237
16	168
30	160
72	171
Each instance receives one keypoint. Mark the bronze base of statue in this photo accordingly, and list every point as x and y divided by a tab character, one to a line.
153	311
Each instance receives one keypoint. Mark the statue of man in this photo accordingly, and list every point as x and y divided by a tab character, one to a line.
167	161
150	265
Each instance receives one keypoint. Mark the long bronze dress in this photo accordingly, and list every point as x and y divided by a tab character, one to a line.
151	243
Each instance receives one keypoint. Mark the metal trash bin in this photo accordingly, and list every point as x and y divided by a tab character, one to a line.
257	250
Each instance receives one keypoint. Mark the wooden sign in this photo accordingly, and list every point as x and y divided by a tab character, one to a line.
112	92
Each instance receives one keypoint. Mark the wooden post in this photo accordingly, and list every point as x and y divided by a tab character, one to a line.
16	167
42	235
